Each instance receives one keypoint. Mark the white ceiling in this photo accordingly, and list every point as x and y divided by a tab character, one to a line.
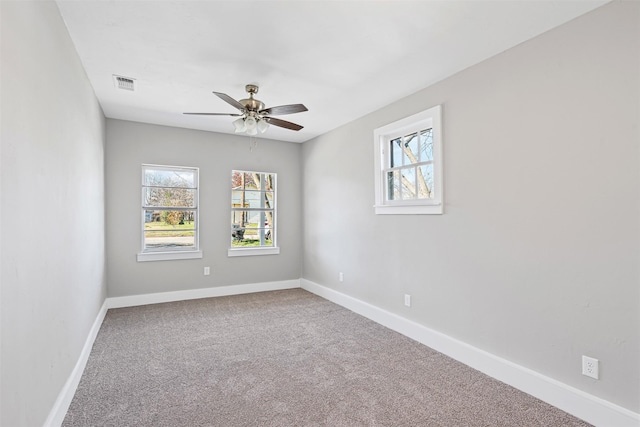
342	59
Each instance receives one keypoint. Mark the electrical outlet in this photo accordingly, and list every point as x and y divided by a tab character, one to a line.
590	367
207	271
341	276
407	300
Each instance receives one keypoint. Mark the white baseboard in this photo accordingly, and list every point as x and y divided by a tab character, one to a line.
576	402
590	408
220	291
61	405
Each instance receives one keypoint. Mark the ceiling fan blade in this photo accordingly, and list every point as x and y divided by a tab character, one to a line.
213	114
282	123
229	100
284	109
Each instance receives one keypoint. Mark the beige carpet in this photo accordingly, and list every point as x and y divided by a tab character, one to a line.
284	358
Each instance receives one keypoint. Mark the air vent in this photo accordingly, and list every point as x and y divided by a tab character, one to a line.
126	83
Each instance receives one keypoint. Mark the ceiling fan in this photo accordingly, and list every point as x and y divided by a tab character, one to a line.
254	117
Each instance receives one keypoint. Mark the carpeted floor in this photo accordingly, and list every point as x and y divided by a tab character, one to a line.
283	358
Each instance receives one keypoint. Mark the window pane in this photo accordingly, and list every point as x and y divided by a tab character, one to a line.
170	178
253	199
393	185
396	152
425	182
411	149
270	182
253	219
250	182
169	229
169	239
408	183
251	237
246	218
268	220
155	220
269	199
241	239
237	200
426	145
180	197
257	231
236	179
237	218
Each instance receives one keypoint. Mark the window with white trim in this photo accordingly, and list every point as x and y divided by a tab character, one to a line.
253	213
408	156
169	213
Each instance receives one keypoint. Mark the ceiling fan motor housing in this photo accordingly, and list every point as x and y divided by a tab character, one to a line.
252	104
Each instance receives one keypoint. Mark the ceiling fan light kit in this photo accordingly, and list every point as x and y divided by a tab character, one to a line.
254	117
250	124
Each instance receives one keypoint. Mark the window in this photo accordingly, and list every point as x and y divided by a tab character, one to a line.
253	214
408	156
169	213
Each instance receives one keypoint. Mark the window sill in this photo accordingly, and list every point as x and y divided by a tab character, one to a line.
252	251
168	256
435	209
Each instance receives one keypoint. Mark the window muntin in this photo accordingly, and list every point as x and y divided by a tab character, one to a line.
408	157
253	210
169	208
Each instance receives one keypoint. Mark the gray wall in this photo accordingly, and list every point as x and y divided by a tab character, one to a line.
131	144
53	270
536	257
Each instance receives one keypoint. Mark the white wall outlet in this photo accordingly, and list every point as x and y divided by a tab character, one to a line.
207	271
407	300
341	276
590	367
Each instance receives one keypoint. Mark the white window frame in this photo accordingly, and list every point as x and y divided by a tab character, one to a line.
260	250
163	254
382	136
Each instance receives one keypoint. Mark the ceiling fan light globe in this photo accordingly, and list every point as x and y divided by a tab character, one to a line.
263	126
240	125
250	122
252	131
